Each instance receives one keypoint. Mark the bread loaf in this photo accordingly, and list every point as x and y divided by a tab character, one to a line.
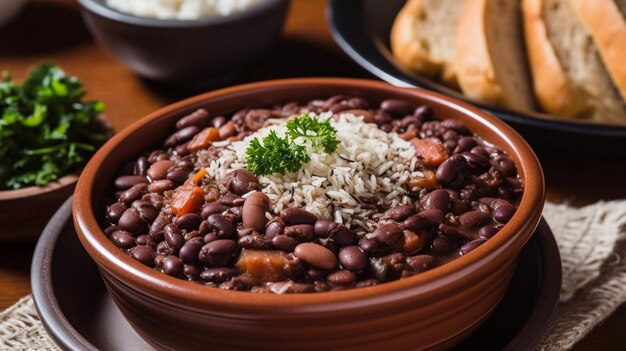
423	38
568	74
490	60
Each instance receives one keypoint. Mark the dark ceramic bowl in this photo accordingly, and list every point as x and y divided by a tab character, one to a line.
189	51
434	309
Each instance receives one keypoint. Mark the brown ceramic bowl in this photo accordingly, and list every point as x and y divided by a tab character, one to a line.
189	51
25	212
435	309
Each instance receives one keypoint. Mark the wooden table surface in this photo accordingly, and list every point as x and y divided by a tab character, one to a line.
52	30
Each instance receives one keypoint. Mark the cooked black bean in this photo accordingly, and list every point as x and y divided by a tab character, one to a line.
241	181
396	107
474	219
443	245
301	232
199	118
143	254
438	198
415	223
115	211
274	228
222	226
285	243
369	246
388	235
125	182
471	245
255	242
323	227
158	170
316	255
343	236
192	272
352	258
177	176
399	213
141	166
218	275
452	232
231	200
188	221
295	215
212	208
218	253
341	277
254	208
173	237
123	239
502	213
131	221
188	253
433	215
420	263
424	112
172	265
488	231
182	135
450	168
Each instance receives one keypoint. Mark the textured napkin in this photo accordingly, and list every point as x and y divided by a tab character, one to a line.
591	241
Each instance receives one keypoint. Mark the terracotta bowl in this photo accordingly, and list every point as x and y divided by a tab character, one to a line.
435	309
190	51
25	212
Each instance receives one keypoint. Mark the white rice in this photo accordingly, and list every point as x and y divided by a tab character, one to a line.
370	167
181	9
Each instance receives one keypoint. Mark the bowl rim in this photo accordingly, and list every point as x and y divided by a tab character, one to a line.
99	7
428	284
35	190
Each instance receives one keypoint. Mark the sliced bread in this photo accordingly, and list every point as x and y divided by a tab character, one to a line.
604	20
490	60
423	38
568	74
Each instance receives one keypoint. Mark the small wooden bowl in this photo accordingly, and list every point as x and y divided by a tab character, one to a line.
25	212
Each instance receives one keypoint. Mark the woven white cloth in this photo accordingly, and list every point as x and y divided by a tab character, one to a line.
591	242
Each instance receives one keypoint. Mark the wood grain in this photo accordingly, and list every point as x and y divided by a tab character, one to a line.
52	30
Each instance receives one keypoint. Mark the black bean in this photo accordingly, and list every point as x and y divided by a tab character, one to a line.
420	263
133	193
123	239
474	219
452	232
192	272
438	198
188	221
210	237
466	143
358	103
241	181
388	235
316	255
502	213
424	113
182	150
158	170
443	245
141	166
173	237
301	232
323	227
366	283
274	228
352	258
125	182
455	125
199	118
161	186
284	243
295	215
115	211
212	208
182	135
399	213
218	253
172	266
341	277
415	223
147	212
433	215
488	231
396	107
188	253
369	246
218	275
231	200
254	208
222	226
471	246
110	229
450	168
178	176
343	236
255	242
504	164
131	221
143	254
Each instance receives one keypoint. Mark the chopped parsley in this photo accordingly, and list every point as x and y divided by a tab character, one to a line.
46	130
286	154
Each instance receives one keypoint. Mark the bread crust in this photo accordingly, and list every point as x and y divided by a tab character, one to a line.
607	27
476	73
553	89
410	50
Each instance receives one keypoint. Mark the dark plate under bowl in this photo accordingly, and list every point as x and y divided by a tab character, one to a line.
362	27
79	314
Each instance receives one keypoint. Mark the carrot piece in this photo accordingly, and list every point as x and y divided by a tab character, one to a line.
429	181
431	150
198	176
187	200
204	139
265	265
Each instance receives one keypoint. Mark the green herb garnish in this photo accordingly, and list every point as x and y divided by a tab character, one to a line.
46	131
282	155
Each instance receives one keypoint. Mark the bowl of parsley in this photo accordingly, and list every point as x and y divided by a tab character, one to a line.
47	134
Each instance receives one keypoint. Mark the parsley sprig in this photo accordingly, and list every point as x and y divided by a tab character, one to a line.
46	130
287	154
